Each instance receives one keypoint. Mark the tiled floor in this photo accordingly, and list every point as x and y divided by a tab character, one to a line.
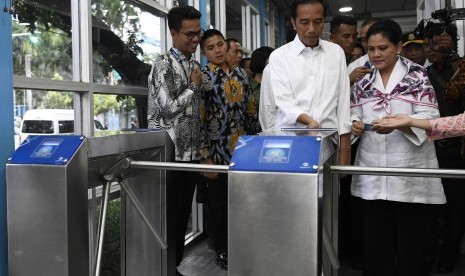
199	260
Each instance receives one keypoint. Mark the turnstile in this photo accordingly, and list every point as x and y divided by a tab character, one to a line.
47	207
48	179
276	200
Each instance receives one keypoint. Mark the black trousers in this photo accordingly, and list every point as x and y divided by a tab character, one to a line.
393	242
184	182
449	156
217	204
350	219
454	219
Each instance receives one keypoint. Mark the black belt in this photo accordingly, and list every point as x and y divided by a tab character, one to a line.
448	143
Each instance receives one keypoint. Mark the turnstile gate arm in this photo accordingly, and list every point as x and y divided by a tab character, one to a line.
412	172
101	227
113	175
132	197
179	166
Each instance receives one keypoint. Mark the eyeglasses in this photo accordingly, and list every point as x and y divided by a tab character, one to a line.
191	35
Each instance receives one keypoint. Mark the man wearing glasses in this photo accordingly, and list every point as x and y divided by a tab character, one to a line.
173	104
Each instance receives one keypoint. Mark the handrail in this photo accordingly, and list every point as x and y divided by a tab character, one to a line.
334	169
173	166
413	172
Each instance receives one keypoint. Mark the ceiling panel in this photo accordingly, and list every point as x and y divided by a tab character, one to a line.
360	7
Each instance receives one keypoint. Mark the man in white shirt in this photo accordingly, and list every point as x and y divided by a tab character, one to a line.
308	78
360	67
267	117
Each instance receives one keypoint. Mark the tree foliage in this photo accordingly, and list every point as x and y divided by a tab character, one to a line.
115	42
104	103
57	100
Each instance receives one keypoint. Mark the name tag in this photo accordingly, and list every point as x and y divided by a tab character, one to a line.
188	111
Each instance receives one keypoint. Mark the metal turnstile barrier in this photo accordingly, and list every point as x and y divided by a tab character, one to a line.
51	223
280	222
275	212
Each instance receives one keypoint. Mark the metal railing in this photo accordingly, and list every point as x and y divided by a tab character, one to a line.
178	166
412	172
333	169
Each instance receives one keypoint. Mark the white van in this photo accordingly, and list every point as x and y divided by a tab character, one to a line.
49	122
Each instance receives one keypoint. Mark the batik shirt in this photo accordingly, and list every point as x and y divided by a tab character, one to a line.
228	111
173	103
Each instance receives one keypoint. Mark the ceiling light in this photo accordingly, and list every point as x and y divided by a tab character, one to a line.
345	9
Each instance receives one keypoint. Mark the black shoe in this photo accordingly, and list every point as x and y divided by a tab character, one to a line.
222	260
445	267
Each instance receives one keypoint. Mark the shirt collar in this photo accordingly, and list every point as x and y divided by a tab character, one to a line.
297	46
369	78
216	69
179	54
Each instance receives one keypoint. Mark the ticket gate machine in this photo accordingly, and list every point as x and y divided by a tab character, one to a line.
276	205
48	207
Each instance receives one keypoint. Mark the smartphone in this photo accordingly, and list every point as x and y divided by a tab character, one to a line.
367	64
368	127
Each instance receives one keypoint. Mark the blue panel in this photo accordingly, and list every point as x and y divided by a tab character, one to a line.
6	127
297	154
47	149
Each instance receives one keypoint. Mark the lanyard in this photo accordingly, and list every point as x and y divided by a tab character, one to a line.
178	58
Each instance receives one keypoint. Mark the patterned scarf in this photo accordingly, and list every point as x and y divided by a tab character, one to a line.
414	88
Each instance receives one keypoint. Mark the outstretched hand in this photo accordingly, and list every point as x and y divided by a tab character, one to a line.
391	122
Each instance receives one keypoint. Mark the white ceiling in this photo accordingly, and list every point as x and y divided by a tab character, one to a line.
402	11
361	8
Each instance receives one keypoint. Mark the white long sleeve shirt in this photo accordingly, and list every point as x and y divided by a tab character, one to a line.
268	109
311	81
408	91
361	61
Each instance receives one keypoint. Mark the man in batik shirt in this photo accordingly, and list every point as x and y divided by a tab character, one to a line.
228	111
173	104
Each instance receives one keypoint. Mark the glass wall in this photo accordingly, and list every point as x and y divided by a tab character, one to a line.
42	40
125	39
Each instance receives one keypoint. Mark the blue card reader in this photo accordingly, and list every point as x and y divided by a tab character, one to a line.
277	154
47	149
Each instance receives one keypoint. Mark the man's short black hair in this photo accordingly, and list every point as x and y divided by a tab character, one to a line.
178	14
229	40
338	20
259	58
207	34
297	3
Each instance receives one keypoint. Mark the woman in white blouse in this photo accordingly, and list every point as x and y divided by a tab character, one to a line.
395	208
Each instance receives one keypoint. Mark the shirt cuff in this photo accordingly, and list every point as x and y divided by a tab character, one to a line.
192	86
